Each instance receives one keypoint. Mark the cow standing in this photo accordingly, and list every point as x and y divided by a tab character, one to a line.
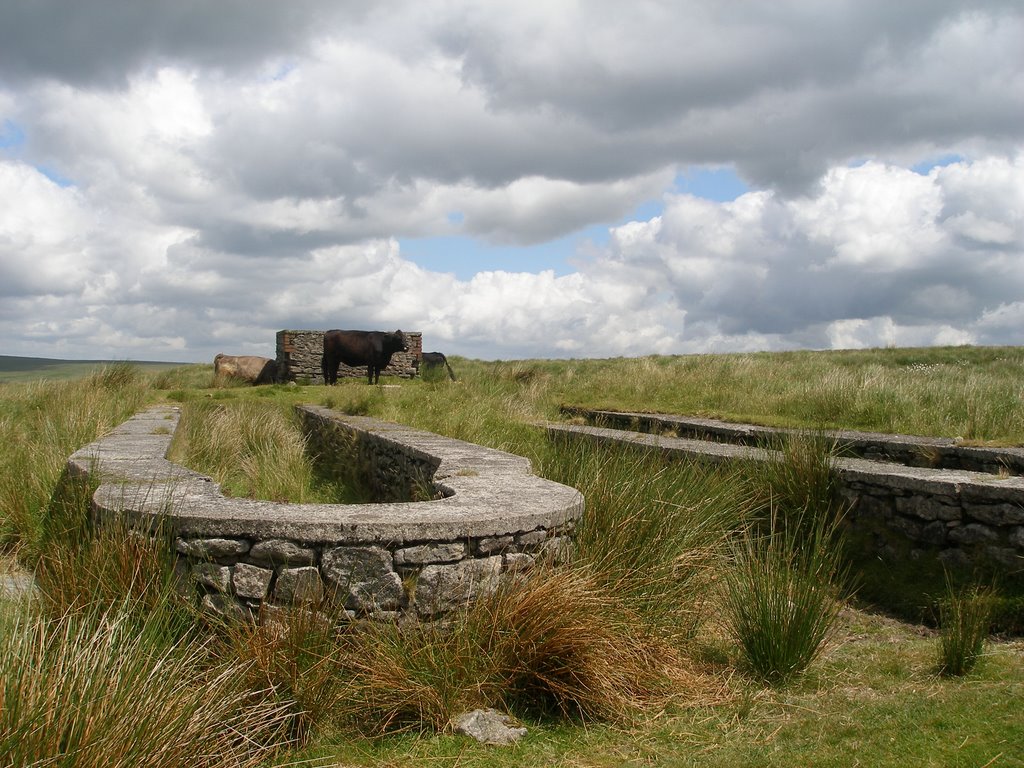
435	360
355	348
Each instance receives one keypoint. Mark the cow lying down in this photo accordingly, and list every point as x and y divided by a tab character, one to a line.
250	368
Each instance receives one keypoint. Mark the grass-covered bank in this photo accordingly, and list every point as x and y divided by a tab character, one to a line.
639	662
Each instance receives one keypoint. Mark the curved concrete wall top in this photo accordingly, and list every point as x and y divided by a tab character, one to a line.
489	492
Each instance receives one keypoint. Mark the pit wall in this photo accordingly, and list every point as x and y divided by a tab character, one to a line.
923	499
299	354
489	516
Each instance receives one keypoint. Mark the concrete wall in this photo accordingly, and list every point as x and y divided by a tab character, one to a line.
489	516
299	354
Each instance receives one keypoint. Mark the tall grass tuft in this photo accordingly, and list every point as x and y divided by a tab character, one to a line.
653	532
562	644
115	566
783	595
798	486
294	654
554	643
43	423
90	690
964	621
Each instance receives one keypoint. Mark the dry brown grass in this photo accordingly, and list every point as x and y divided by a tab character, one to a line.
553	644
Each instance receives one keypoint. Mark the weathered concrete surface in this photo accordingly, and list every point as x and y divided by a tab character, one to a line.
966	518
492	493
421	558
911	450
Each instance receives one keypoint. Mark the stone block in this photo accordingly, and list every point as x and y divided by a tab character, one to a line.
441	588
281	552
436	552
866	505
251	581
212	549
972	533
929	507
908	528
299	585
212	575
363	578
934	533
531	539
516	562
492	545
223	607
997	514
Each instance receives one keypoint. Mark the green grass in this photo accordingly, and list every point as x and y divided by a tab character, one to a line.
28	369
41	424
91	689
635	664
784	593
254	449
964	621
874	698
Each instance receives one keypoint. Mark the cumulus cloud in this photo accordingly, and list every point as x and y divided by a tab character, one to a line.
183	178
875	257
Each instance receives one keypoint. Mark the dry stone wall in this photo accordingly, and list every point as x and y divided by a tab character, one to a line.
918	498
299	354
488	517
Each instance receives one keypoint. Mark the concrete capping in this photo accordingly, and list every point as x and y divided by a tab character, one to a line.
967	519
487	496
910	450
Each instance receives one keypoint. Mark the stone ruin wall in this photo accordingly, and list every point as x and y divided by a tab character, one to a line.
910	501
490	518
299	354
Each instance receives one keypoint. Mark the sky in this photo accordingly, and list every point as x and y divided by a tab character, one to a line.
514	180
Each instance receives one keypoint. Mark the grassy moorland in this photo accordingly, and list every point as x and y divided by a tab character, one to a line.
734	641
28	369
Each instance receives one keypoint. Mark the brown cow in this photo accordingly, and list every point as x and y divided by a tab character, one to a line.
250	368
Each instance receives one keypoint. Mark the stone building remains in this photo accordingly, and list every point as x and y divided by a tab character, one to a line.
299	354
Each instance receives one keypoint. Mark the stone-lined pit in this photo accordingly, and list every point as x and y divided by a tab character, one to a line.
909	497
415	559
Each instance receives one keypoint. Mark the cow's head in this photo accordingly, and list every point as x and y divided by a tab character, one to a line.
397	340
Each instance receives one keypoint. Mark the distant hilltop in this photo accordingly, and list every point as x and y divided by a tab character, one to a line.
22	368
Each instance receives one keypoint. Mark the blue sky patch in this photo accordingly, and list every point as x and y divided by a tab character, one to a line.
925	166
465	256
720	184
57	178
11	135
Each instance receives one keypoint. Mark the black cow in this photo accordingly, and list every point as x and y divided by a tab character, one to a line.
435	360
370	348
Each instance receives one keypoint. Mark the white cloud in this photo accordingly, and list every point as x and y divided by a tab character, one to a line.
873	259
241	168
